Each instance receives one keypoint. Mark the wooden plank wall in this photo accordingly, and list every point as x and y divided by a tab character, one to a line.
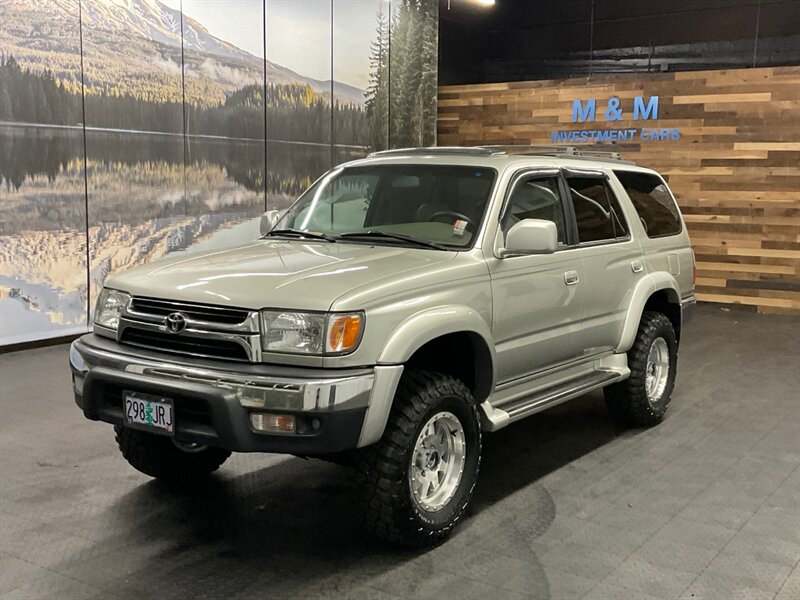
735	169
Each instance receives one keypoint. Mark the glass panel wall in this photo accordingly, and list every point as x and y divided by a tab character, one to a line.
43	276
132	130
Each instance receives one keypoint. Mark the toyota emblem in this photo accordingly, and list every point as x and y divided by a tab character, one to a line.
175	322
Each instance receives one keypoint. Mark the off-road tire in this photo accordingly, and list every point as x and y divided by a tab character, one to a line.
158	457
627	400
382	471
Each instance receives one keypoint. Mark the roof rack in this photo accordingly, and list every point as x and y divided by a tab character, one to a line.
506	150
467	150
556	151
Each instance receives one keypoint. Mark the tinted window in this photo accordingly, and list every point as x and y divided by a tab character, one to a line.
597	211
536	198
652	201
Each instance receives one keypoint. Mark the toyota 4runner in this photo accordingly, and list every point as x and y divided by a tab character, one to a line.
404	304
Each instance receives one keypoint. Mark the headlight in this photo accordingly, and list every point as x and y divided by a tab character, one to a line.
310	333
109	308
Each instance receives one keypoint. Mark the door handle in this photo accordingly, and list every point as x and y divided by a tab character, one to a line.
571	277
637	266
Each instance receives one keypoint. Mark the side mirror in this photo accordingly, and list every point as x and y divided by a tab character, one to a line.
530	236
269	219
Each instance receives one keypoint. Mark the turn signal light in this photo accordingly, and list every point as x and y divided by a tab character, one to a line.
344	332
269	423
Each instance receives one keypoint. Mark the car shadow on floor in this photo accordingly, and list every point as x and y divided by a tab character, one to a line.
293	527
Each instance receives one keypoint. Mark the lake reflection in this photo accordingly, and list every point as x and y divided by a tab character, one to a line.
149	195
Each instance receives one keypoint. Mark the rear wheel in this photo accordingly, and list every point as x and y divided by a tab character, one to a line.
643	398
418	479
167	460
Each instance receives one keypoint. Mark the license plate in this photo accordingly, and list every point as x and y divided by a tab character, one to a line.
151	413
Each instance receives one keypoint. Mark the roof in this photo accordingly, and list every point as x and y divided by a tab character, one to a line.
524	150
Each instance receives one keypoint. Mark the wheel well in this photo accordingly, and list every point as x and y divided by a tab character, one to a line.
666	302
464	355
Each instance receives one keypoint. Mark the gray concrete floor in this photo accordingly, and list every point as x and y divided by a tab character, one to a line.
706	505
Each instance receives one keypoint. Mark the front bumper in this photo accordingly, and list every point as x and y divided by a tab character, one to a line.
214	399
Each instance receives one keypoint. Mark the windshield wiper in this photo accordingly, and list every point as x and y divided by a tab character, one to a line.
300	234
393	236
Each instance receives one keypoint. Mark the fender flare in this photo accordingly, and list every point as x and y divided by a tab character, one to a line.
646	287
408	337
424	326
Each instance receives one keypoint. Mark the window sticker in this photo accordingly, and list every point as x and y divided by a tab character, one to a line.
459	227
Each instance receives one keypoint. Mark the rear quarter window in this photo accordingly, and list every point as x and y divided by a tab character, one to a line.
653	203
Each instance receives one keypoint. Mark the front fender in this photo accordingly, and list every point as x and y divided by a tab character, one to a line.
427	325
407	338
647	286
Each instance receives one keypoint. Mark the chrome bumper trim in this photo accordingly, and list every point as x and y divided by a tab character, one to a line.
259	391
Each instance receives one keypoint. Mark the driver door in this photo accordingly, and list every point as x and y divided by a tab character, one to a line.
537	299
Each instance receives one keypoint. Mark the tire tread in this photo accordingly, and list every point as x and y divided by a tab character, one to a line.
380	469
627	400
159	458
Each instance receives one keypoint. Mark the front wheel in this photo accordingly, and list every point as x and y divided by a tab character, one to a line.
418	479
642	399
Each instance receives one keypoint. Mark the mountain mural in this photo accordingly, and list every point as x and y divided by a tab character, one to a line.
133	47
177	144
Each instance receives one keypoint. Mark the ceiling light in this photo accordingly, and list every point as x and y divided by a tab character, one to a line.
485	3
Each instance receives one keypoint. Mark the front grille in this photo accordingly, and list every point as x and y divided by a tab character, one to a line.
184	344
198	312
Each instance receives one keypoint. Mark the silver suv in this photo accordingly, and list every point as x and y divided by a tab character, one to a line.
404	304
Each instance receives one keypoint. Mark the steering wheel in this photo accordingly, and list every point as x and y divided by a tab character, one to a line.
452	213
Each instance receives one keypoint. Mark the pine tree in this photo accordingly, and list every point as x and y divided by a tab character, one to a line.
377	95
413	74
429	79
6	112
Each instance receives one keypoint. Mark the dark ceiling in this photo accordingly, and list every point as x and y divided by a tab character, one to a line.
542	39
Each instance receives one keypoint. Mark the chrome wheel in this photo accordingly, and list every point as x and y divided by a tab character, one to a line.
657	369
438	461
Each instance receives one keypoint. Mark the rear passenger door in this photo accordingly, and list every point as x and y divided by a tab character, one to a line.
612	260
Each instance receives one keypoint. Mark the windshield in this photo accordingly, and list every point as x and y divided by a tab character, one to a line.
439	204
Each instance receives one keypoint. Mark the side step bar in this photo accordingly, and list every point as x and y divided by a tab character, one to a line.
539	401
556	395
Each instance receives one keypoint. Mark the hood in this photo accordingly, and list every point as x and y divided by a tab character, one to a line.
274	274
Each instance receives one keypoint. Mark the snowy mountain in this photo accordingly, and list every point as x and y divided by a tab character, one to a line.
154	21
125	40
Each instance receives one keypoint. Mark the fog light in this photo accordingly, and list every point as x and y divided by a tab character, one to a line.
269	423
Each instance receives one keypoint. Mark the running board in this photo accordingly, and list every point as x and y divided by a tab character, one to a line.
539	401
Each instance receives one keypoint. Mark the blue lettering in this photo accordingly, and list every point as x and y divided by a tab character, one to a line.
583	113
640	111
613	112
